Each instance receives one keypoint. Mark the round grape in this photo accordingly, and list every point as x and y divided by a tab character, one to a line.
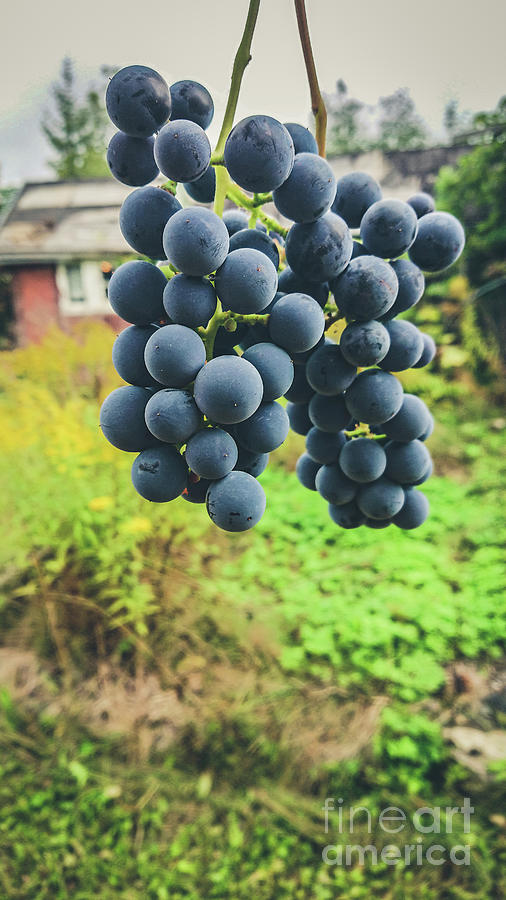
265	430
414	511
174	355
159	474
173	416
364	343
381	499
138	101
406	345
135	292
298	415
228	389
374	397
366	289
412	420
300	391
236	502
296	322
131	159
143	216
203	189
246	282
189	300
389	228
323	446
319	250
306	470
303	140
411	287
252	463
422	203
275	368
334	485
195	241
182	150
211	453
428	352
259	153
329	413
406	462
235	220
308	191
363	460
355	193
291	283
122	419
192	101
328	372
347	516
128	355
439	242
256	240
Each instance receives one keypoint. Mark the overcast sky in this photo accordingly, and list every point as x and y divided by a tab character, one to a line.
439	49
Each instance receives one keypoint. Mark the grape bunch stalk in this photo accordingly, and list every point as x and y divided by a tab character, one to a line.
230	309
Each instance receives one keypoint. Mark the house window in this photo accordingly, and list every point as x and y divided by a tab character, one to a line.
75	283
82	289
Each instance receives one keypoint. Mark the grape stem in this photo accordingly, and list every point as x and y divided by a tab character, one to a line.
221	318
170	186
238	197
317	104
242	58
364	431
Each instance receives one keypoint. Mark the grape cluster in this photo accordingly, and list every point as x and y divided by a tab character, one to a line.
221	328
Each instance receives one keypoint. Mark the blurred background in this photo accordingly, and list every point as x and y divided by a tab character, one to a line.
176	702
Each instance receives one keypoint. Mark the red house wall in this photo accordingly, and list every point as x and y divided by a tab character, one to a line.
35	305
35	301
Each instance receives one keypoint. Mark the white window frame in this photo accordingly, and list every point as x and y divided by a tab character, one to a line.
95	301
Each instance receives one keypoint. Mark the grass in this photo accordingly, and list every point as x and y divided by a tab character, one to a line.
189	697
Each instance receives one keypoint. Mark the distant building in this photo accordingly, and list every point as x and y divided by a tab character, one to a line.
59	242
60	239
401	173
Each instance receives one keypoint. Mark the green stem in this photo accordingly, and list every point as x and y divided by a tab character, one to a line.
238	197
222	183
170	186
364	431
317	104
221	318
208	334
242	58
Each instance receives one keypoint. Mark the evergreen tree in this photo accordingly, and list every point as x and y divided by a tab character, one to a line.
391	124
347	132
400	126
77	129
455	122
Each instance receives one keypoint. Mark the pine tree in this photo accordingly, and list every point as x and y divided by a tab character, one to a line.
77	129
400	126
347	134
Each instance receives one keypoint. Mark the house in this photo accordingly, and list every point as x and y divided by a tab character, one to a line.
59	242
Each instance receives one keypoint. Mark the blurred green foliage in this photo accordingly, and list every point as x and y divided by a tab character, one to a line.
475	191
76	126
298	632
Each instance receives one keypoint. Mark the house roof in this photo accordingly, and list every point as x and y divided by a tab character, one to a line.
62	220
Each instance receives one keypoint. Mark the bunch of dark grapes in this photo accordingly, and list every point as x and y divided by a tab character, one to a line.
222	329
